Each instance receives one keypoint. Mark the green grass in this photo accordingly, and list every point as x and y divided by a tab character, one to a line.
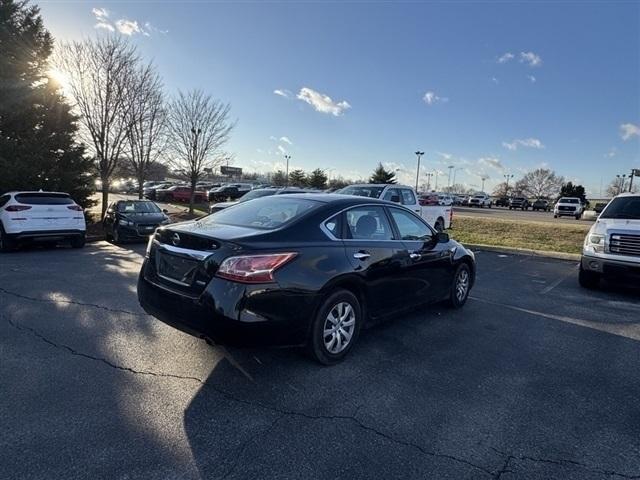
555	237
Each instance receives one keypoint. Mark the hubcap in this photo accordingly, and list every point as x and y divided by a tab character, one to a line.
339	327
462	285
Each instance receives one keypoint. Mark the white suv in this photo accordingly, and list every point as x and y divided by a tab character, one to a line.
40	216
569	207
480	200
612	246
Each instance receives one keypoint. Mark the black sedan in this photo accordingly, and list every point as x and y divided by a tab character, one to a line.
253	194
309	269
130	220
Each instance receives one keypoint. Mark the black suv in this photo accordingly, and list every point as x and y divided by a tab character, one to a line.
541	204
519	202
222	194
502	202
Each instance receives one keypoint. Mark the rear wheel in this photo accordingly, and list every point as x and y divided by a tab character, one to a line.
79	241
335	328
588	279
461	286
6	244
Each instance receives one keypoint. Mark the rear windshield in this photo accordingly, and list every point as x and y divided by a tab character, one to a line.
44	199
363	191
138	207
623	207
266	213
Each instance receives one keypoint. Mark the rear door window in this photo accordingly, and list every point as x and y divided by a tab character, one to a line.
408	198
368	223
392	192
44	198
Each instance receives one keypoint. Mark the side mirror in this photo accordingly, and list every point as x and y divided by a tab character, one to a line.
395	198
164	210
442	237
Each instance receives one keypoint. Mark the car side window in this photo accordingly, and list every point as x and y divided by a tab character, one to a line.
368	223
3	200
408	198
410	227
333	226
391	193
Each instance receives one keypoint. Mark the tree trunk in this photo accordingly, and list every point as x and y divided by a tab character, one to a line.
140	189
105	197
193	195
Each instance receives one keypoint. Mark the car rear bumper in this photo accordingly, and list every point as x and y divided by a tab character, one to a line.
45	235
230	313
615	269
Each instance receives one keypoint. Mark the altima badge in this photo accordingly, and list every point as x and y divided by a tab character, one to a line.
175	239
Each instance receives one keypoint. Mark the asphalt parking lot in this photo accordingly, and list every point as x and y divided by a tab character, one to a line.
535	378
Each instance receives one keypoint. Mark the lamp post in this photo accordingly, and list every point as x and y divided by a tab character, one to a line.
483	178
621	182
418	154
507	177
454	176
437	174
287	158
450	167
429	175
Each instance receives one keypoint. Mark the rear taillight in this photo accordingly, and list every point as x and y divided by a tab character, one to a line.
77	208
253	268
17	208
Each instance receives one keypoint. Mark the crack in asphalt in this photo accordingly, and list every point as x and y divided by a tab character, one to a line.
559	462
231	397
496	474
70	302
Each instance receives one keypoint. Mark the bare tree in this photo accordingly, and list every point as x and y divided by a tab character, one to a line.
147	122
619	185
100	74
198	127
540	183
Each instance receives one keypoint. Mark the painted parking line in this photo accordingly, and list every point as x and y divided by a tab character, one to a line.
631	331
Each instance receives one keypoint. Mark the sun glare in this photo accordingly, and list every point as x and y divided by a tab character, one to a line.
60	79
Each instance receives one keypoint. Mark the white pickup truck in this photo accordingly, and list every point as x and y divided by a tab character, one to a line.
439	217
612	246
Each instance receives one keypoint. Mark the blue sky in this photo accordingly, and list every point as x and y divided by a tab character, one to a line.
491	88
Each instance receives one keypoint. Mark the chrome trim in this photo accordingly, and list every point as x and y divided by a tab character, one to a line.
196	254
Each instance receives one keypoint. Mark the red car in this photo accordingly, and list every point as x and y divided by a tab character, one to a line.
180	194
428	199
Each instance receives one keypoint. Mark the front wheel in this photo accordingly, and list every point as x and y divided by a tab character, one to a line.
588	279
335	328
578	216
461	286
79	241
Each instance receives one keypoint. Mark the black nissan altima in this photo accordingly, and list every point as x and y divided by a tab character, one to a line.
306	269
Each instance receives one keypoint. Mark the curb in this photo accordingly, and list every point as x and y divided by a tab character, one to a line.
524	251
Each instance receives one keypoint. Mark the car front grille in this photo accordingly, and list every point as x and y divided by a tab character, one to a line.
566	208
624	244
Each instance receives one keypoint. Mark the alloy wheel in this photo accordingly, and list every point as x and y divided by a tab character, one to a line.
462	284
339	327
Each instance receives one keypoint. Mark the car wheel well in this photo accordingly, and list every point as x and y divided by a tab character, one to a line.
352	287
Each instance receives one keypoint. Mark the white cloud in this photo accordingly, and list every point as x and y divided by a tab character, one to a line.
281	149
430	98
531	78
629	130
283	92
446	156
531	59
286	140
506	57
128	27
100	13
105	26
611	153
495	80
523	142
492	162
322	103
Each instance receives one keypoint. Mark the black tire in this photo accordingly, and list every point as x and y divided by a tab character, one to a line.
316	344
555	216
439	225
458	299
587	279
510	208
115	237
6	244
79	241
578	216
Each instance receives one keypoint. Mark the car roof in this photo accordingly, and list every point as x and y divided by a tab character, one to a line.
340	199
628	194
394	185
16	192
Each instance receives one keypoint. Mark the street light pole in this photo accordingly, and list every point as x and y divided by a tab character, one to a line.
454	176
287	158
418	154
429	175
507	177
450	167
483	178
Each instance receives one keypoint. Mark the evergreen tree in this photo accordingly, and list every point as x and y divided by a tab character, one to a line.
381	175
279	179
317	179
570	190
38	149
297	178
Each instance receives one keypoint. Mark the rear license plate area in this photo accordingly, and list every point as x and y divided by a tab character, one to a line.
175	269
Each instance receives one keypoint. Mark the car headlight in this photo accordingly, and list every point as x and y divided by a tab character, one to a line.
126	223
594	242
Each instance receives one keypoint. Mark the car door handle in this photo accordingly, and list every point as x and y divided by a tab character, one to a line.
415	256
361	255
